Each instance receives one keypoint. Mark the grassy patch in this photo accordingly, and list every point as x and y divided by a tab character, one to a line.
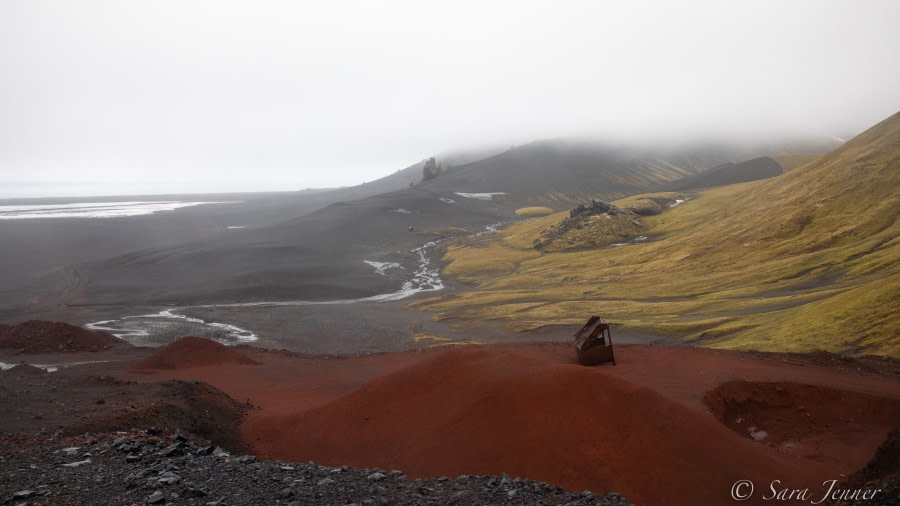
531	212
792	161
431	341
474	263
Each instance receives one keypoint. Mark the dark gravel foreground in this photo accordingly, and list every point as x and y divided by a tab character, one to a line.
146	467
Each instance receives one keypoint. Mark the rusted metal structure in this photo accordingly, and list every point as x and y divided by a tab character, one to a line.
593	343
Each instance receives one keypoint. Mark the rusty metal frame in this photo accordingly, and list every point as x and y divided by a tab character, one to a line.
593	343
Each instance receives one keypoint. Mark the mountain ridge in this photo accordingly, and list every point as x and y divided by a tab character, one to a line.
806	260
320	254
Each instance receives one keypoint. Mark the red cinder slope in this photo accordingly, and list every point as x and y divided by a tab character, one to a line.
492	410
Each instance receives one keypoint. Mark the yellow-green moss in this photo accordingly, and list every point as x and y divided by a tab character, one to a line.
534	211
807	260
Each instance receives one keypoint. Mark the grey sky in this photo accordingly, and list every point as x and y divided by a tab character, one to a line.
214	95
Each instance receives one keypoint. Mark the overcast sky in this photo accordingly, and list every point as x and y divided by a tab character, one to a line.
192	96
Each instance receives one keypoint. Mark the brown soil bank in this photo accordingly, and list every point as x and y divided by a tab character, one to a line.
192	407
793	414
37	336
73	401
191	351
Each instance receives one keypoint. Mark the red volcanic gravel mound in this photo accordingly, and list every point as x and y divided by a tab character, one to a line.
664	426
480	411
192	351
37	336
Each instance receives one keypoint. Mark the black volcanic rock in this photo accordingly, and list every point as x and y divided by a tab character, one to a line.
729	173
595	207
40	470
882	472
580	219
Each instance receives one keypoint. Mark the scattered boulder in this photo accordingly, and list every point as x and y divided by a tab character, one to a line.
431	169
595	207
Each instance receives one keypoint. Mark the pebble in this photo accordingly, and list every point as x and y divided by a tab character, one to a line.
23	494
192	492
458	496
79	463
168	478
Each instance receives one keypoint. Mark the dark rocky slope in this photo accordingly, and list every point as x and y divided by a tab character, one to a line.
729	173
36	336
144	467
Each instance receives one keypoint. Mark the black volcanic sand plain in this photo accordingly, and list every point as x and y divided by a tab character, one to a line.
309	245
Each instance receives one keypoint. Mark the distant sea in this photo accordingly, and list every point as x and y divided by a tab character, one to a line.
91	209
19	190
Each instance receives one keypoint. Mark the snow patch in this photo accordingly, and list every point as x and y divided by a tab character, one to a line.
479	196
401	211
637	240
380	267
490	229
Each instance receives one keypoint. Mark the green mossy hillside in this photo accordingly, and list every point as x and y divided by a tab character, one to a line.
809	260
